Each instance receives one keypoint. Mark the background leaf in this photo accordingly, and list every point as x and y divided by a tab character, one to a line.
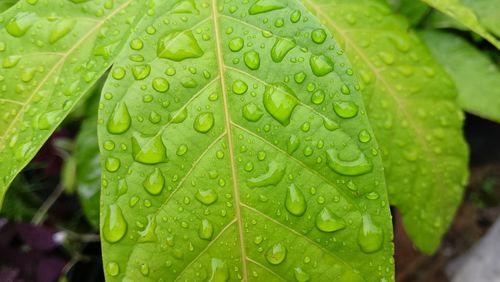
466	16
476	76
413	10
411	106
51	53
223	157
5	4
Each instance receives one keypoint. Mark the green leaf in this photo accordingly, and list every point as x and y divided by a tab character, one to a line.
223	158
488	13
466	16
411	106
413	10
51	53
88	176
6	4
476	76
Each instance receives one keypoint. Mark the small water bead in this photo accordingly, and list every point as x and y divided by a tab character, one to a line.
149	150
318	97
204	122
261	155
122	187
206	197
136	44
321	65
306	126
28	74
295	16
252	59
350	162
141	72
112	268
109	145
239	87
292	144
144	269
372	196
206	230
300	77
279	22
364	136
20	24
154	182
112	164
345	89
160	84
345	109
236	44
280	102
180	116
264	6
154	117
178	46
62	28
281	47
120	120
276	254
273	176
300	275
252	112
370	236
318	36
182	150
219	271
249	167
114	226
295	202
10	61
327	221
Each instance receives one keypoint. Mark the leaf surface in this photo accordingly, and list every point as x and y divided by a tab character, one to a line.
6	4
476	76
51	53
411	105
466	16
223	157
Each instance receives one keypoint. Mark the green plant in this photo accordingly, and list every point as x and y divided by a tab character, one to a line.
246	140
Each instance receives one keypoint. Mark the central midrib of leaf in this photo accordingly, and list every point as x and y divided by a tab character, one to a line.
228	124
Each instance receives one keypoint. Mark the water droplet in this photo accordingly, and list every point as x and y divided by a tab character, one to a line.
120	120
136	44
293	144
178	46
112	164
327	221
206	230
114	226
149	150
276	254
219	271
204	122
300	77
273	176
321	65
63	27
301	275
349	162
345	109
206	197
264	6
182	150
370	236
20	24
280	101
252	112
236	44
155	182
364	136
160	84
112	268
239	87
318	97
149	233
141	72
281	48
295	202
252	59
145	269
318	36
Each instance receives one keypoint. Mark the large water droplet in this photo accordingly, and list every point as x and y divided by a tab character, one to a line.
301	275
149	150
206	197
318	36
204	122
276	254
236	44
295	202
120	120
149	233
280	101
281	47
112	268
20	24
178	46
327	221
370	236
114	226
252	59
141	72
206	230
350	162
252	112
321	65
155	182
273	176
112	164
345	109
63	27
219	271
239	87
264	6
293	144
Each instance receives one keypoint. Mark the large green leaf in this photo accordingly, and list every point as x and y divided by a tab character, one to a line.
86	154
5	4
223	157
488	13
466	16
476	76
413	10
411	106
51	53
